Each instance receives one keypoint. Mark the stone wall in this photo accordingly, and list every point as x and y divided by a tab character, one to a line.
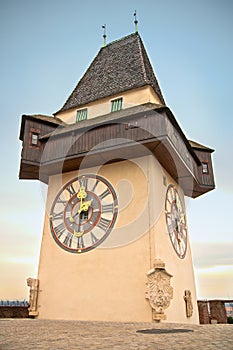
212	311
14	311
203	312
218	311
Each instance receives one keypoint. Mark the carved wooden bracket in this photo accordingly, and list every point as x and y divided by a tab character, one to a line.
159	291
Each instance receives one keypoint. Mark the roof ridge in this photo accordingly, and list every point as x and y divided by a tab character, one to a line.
142	60
121	39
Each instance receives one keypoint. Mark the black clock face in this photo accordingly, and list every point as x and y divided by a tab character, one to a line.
83	213
176	221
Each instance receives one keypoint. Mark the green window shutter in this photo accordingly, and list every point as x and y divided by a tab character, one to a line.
81	115
116	105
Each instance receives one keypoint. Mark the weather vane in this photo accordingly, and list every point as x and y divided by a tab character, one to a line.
135	21
104	35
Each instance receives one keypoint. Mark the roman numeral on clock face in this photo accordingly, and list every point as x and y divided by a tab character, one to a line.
108	208
85	182
60	201
68	239
95	185
103	224
80	242
71	190
57	216
59	229
104	194
93	238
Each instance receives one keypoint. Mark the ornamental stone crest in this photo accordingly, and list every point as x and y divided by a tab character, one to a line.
33	283
188	303
158	290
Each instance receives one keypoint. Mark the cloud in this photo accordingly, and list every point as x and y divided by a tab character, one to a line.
210	255
213	265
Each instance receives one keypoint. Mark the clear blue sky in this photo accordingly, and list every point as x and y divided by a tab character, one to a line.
46	47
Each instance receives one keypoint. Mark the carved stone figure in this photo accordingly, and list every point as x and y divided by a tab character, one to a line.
159	291
188	303
33	283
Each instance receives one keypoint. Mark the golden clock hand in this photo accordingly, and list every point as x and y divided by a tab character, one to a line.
82	192
86	205
81	195
78	234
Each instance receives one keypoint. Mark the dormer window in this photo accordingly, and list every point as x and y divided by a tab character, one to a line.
81	115
116	104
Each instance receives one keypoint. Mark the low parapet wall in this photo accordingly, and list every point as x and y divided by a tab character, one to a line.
212	311
14	312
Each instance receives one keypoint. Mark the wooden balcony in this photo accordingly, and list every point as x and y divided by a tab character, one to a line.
126	134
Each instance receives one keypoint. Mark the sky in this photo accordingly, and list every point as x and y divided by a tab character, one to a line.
47	45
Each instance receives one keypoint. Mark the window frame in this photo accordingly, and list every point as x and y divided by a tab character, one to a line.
205	168
34	138
117	104
34	132
81	115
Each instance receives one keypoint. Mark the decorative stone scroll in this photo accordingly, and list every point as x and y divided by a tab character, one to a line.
159	291
188	303
33	283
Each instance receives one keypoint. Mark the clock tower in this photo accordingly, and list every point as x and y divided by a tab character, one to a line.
115	243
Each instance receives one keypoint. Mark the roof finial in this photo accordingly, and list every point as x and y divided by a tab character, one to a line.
104	35
135	21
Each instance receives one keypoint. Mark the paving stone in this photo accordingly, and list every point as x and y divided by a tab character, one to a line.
25	334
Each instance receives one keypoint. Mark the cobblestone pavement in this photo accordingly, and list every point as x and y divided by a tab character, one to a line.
24	334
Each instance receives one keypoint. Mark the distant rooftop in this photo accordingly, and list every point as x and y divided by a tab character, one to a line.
14	303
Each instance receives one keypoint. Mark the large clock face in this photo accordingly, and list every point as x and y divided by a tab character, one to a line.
83	213
176	221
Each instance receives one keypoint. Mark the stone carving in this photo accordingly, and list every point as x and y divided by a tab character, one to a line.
159	291
188	303
33	283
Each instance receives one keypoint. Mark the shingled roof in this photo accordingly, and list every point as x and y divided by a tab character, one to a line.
120	66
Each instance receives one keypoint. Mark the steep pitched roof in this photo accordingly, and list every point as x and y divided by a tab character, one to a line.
120	66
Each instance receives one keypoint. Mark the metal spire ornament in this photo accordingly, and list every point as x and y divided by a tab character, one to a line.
104	35
135	21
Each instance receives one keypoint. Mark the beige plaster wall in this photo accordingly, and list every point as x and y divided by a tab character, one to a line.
109	282
103	106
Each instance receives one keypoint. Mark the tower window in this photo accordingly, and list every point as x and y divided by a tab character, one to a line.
34	139
81	115
205	168
116	105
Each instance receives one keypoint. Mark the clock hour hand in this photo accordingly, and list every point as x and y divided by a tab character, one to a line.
84	206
